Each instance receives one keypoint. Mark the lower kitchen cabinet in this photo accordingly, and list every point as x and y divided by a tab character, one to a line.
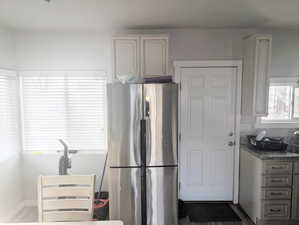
295	198
269	187
278	209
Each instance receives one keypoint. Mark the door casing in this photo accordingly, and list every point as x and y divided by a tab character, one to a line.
178	66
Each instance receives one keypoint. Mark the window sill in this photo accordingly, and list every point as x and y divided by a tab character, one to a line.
60	153
276	125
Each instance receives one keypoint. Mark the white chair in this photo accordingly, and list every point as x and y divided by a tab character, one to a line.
65	198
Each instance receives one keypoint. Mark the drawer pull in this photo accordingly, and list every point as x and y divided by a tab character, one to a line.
277	167
276	193
276	180
275	210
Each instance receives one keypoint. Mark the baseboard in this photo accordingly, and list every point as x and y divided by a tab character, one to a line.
15	212
30	203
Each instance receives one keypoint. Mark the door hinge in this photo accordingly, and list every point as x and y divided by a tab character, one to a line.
179	186
180	86
180	136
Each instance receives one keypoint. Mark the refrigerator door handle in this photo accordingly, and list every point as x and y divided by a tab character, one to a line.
147	117
149	197
147	107
143	172
143	142
148	141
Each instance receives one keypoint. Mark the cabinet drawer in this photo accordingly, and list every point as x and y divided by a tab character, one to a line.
277	193
277	180
296	168
276	210
277	167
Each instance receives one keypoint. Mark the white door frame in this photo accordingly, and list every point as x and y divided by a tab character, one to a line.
178	66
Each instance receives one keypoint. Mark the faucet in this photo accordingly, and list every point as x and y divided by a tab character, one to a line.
65	162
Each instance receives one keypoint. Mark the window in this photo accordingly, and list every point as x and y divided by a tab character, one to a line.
8	114
63	105
283	105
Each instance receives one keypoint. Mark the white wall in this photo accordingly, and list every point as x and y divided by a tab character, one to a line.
285	53
7	49
192	44
11	188
62	51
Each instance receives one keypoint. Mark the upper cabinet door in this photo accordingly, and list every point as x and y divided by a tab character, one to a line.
262	75
256	74
295	198
126	56
154	56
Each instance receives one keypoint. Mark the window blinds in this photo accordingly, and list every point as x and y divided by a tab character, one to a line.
9	137
64	105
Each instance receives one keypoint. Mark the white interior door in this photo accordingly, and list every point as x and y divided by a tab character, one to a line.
208	113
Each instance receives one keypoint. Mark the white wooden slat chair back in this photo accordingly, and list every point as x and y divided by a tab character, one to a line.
65	198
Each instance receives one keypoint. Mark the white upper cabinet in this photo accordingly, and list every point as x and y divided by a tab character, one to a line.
126	55
142	55
154	56
256	74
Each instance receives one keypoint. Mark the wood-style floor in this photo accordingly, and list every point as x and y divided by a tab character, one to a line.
29	214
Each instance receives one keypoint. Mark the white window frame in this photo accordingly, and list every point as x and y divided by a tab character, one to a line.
294	123
21	107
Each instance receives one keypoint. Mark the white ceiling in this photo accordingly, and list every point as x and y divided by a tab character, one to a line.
118	14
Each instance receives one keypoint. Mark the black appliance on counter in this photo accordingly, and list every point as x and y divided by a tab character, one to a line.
267	143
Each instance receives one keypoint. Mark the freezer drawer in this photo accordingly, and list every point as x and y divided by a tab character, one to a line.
125	195
124	114
161	189
161	113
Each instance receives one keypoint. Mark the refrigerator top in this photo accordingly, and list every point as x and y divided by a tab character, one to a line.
141	83
144	80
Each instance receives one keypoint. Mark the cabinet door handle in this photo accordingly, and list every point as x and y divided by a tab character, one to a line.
277	167
275	210
276	193
276	180
231	143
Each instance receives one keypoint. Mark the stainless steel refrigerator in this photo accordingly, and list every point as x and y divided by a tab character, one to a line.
142	142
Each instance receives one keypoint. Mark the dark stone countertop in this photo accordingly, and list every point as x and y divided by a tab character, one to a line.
267	155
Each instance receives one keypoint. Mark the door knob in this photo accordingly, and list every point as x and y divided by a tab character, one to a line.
231	143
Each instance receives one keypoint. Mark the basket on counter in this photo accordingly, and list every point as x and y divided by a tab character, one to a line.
293	141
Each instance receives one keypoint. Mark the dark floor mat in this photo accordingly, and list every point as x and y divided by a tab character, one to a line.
210	212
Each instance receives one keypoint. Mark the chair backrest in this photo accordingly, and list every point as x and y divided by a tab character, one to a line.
65	198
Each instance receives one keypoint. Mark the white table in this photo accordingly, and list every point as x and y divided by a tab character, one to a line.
108	222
